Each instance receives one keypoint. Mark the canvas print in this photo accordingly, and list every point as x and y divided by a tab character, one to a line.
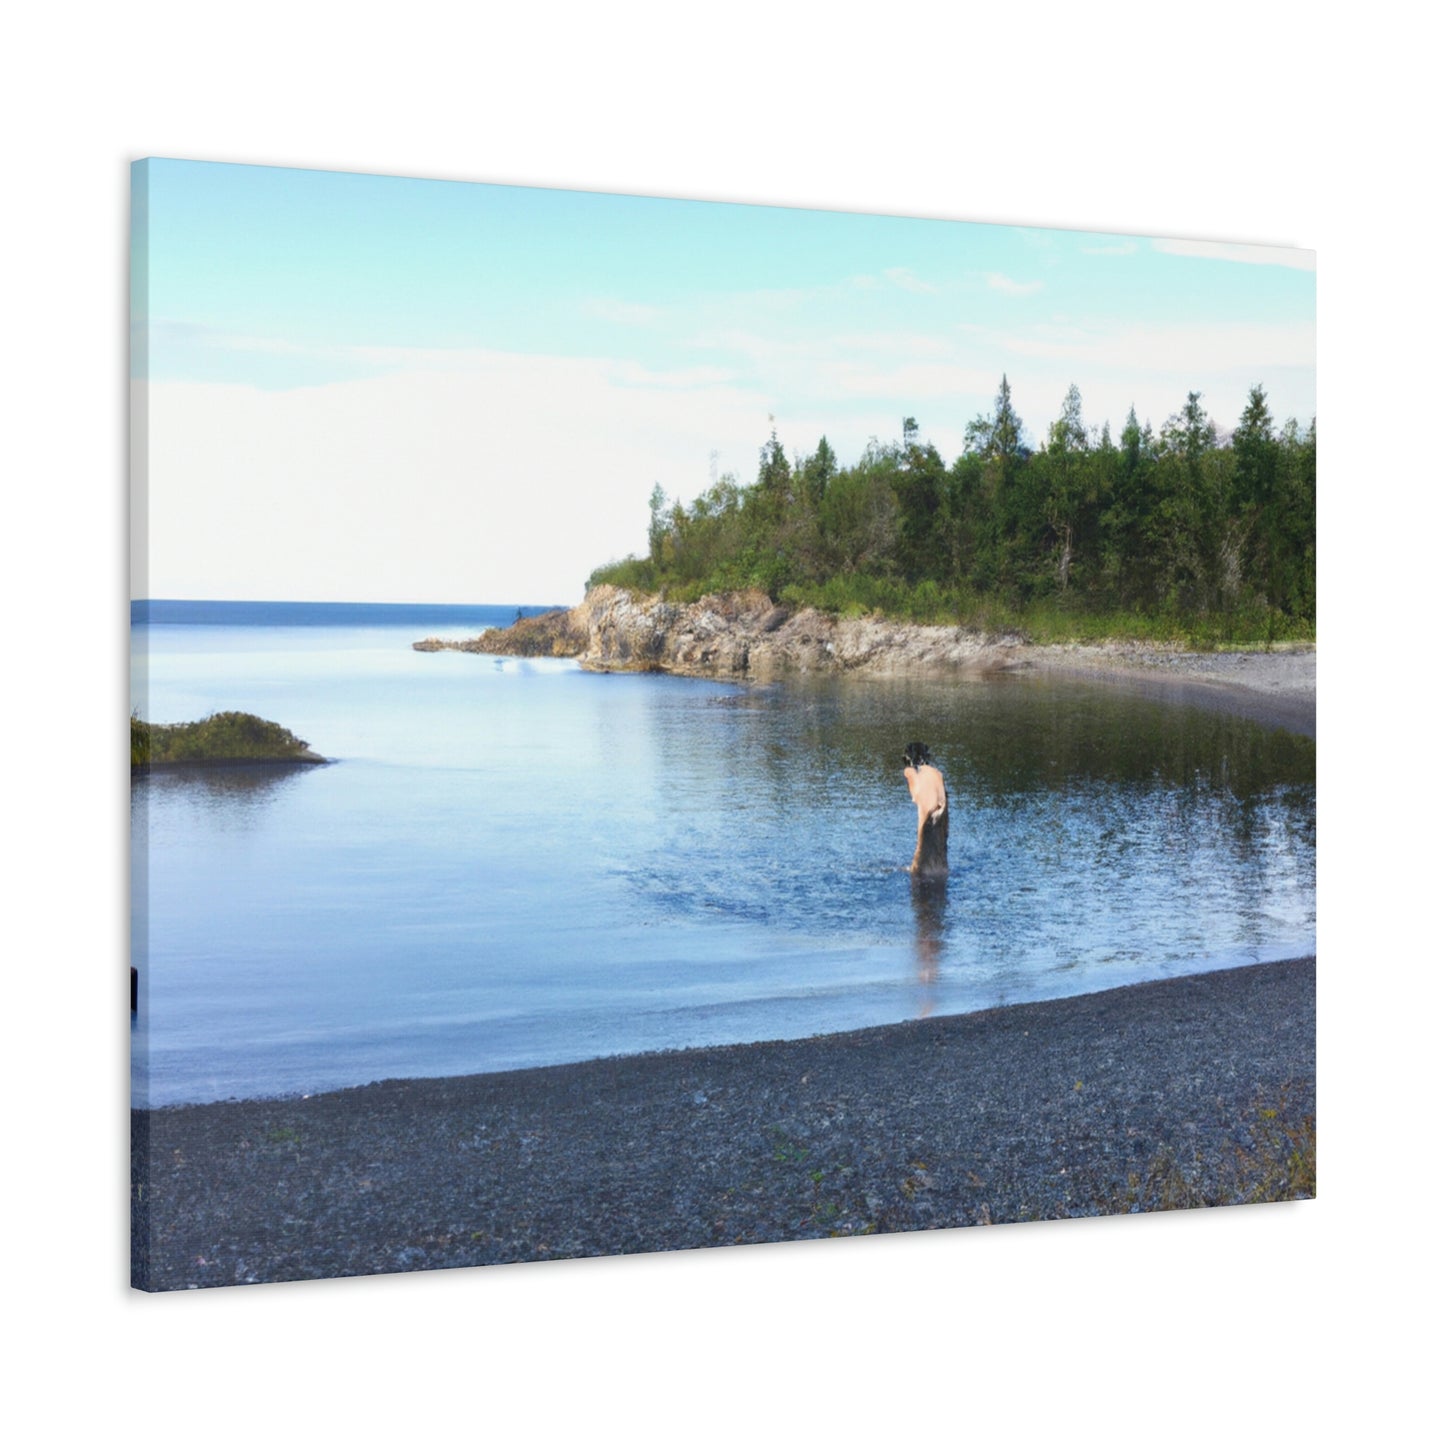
660	724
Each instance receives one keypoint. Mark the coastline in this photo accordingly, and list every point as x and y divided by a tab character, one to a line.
1274	688
744	637
1174	1093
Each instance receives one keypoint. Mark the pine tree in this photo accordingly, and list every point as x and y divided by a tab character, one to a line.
819	470
1065	492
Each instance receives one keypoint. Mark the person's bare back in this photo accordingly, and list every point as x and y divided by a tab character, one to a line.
925	787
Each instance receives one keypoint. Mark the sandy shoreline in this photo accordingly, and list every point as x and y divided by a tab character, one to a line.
1160	1094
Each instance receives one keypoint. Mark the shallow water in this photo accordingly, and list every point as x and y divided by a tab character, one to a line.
515	862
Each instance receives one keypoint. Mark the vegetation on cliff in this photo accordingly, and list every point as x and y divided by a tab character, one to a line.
223	737
1192	534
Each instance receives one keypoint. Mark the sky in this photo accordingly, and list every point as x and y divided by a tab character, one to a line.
365	388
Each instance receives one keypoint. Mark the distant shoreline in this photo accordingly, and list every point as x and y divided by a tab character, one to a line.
744	637
1275	689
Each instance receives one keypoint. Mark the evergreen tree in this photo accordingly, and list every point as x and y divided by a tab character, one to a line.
774	473
657	523
1001	540
1130	537
1068	433
919	480
1190	513
1293	523
819	470
1000	435
1255	455
1065	491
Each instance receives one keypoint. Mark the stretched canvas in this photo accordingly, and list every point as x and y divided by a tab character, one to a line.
661	723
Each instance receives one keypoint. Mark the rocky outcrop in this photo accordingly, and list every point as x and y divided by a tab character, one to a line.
549	634
739	635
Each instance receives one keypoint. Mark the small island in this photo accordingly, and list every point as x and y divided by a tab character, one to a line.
223	738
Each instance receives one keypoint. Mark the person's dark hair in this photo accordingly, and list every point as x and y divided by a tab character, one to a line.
916	754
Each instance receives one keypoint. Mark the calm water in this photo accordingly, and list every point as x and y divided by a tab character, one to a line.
515	862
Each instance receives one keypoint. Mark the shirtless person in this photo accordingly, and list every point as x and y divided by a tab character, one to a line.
925	787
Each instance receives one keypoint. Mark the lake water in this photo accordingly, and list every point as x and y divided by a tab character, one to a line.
515	862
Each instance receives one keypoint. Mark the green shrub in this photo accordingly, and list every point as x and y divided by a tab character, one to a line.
223	737
636	574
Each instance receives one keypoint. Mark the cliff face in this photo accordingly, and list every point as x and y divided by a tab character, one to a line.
739	635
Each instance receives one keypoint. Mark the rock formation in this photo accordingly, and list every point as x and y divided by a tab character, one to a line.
738	635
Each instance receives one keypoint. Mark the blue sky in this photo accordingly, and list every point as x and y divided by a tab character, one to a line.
461	392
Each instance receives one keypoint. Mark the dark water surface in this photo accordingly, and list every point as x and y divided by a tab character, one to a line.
515	862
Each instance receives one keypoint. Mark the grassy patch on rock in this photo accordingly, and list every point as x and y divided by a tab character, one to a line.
223	737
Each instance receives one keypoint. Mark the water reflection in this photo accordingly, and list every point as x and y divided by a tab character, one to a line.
708	863
228	785
930	904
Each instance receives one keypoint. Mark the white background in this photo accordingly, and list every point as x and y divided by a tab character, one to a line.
1238	122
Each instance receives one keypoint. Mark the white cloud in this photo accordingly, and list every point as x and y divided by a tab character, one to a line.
685	378
475	475
1183	349
507	480
168	335
900	276
908	384
905	279
1122	248
766	347
845	374
1009	287
1248	255
625	313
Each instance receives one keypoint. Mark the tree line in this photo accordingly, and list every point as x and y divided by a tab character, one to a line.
1193	524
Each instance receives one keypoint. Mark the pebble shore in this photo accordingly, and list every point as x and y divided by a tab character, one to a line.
1163	1094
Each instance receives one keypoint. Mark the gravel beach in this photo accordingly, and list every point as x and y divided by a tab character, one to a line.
1189	1091
1275	689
